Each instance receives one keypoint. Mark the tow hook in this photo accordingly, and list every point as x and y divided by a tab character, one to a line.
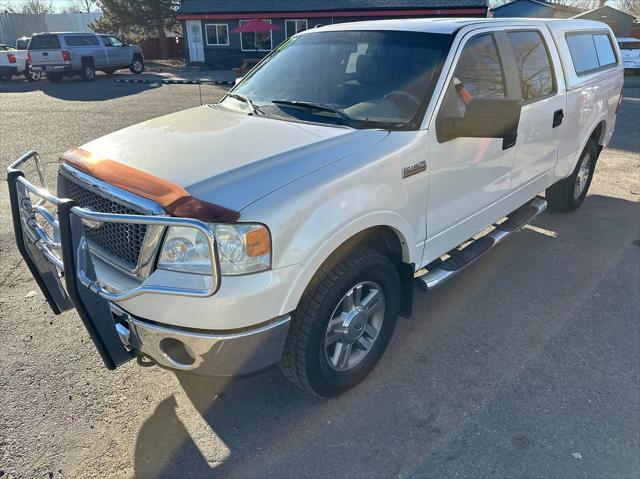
145	361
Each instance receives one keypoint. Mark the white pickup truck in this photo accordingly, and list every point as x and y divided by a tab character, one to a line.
289	222
15	62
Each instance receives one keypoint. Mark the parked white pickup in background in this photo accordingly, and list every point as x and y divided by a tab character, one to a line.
15	62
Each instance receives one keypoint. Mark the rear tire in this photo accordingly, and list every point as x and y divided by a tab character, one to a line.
321	324
6	77
31	75
54	77
88	71
568	194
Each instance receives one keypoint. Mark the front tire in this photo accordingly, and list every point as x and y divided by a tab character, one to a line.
137	66
343	323
568	194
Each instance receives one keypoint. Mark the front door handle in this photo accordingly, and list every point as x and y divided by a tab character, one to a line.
558	116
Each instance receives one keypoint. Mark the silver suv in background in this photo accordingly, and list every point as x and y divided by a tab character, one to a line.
60	54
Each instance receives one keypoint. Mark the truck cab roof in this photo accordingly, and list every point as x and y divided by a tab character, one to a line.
452	25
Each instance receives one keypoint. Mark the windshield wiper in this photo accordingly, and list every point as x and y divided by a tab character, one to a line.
252	106
346	119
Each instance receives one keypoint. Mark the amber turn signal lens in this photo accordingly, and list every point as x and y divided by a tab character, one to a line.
258	242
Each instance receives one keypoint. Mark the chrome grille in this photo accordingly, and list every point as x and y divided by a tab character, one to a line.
121	240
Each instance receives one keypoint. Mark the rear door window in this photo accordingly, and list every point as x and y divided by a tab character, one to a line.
44	42
590	52
533	64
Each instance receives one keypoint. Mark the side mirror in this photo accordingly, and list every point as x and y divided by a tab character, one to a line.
483	118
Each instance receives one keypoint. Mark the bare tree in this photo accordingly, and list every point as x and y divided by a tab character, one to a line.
37	7
584	4
632	7
81	6
7	8
86	6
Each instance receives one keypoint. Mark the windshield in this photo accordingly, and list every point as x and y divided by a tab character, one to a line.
365	79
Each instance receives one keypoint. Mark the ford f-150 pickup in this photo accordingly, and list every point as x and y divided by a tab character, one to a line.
291	221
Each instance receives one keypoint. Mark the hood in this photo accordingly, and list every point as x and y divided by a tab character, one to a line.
229	158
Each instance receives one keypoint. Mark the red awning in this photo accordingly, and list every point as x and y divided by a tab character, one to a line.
255	25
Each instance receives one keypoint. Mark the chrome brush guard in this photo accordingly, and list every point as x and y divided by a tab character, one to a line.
50	237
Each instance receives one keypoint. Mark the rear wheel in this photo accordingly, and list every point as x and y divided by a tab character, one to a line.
54	77
343	323
31	75
6	77
568	194
88	71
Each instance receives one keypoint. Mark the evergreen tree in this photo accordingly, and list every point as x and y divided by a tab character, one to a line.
142	18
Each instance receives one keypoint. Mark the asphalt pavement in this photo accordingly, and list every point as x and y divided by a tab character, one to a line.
526	365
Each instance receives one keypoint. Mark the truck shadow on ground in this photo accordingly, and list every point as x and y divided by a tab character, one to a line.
74	89
467	348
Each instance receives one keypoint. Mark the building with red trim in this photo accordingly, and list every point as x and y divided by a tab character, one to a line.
208	24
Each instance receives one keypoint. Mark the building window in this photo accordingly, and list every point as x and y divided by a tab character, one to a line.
294	26
260	41
217	33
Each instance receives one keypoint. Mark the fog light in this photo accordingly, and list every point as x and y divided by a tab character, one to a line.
177	351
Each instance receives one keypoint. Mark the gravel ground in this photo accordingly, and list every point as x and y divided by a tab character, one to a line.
527	365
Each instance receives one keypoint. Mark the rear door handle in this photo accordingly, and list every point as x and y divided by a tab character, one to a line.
558	116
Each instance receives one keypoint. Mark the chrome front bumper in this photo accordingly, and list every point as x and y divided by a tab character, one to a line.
206	353
49	233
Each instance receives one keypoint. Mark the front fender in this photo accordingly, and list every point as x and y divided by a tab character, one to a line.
319	252
313	216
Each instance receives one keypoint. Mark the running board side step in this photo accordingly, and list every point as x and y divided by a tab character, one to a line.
459	258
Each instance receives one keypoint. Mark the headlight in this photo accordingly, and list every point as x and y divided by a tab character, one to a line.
242	248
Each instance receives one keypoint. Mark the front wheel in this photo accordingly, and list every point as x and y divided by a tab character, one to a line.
343	323
568	194
137	66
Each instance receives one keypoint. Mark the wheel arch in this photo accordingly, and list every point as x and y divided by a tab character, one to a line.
598	133
386	239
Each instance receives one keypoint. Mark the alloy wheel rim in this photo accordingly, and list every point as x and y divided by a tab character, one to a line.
354	326
582	177
88	71
137	66
35	75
